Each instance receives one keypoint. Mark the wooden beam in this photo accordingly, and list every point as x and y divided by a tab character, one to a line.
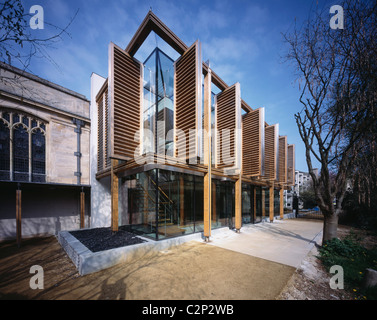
281	203
82	209
18	217
207	156
152	23
263	203
114	197
271	203
238	204
207	206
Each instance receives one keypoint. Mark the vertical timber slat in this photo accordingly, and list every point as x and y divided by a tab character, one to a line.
238	204
114	197
18	217
82	209
271	206
207	156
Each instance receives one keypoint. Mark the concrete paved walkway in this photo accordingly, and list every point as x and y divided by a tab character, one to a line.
227	268
283	241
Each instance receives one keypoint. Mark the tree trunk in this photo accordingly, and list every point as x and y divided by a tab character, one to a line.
330	226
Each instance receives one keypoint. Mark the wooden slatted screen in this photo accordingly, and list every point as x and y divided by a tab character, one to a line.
252	143
103	159
282	159
188	99
291	165
100	136
125	78
228	118
271	141
106	152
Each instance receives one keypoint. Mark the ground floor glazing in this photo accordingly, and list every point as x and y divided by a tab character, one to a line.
161	204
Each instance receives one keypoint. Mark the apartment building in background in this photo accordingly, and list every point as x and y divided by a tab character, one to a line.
303	182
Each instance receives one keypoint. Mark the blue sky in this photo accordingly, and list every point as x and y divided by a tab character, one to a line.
242	39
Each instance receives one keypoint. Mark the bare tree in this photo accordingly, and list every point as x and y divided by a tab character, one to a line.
337	74
18	43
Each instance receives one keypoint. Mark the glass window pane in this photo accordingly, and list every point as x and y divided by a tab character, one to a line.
4	151
38	150
20	153
223	211
158	98
246	204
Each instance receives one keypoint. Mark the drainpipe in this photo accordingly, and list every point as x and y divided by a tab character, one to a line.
79	124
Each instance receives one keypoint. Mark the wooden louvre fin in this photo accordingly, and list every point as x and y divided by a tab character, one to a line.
291	165
125	76
228	119
100	136
282	160
253	143
103	159
106	151
188	101
271	148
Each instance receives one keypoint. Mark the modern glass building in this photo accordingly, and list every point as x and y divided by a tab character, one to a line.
175	149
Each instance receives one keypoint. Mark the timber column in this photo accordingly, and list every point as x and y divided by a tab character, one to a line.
282	203
114	197
238	204
18	215
82	208
207	156
272	207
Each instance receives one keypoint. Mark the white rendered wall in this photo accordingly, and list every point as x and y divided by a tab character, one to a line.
100	190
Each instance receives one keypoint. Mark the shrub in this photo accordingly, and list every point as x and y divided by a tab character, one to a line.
354	259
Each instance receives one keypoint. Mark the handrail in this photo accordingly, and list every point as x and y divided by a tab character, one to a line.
146	192
162	191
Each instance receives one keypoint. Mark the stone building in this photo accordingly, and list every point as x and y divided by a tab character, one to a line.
44	156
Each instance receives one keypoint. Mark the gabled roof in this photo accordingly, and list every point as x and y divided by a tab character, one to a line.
152	23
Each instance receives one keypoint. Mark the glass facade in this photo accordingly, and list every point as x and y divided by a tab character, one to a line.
276	203
247	204
258	204
161	204
177	198
223	206
158	90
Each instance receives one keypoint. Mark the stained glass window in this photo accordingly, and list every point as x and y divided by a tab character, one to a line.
38	156
20	153
25	136
4	151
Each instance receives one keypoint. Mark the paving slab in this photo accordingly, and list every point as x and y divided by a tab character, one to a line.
283	241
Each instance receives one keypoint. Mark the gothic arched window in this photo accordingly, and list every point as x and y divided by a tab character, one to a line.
4	150
20	153
38	155
22	147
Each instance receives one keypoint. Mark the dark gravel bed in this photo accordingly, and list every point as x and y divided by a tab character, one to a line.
100	239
